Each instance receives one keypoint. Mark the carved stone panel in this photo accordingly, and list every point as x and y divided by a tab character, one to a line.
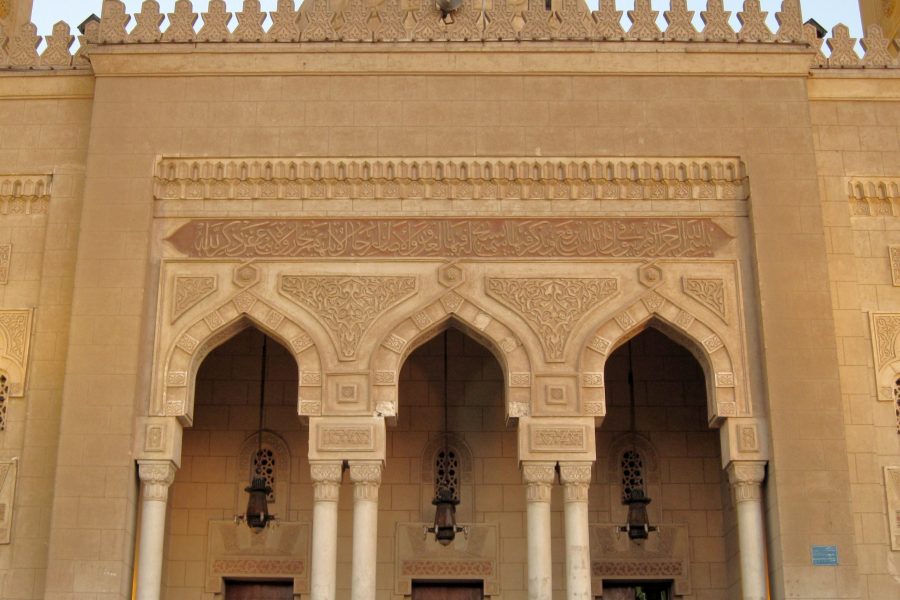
5	257
551	306
564	438
665	555
885	330
8	470
15	341
347	305
236	552
708	292
475	556
892	489
359	438
189	291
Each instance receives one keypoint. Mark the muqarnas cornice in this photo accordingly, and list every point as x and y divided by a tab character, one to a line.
651	179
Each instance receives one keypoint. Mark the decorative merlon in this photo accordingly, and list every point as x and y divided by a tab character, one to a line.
315	21
702	178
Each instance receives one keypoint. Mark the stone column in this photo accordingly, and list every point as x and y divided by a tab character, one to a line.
366	477
746	478
156	477
538	477
326	478
576	477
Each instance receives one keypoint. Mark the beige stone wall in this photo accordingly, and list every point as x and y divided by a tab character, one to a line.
857	141
763	120
44	130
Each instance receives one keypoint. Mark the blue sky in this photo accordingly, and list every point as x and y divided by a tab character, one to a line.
826	12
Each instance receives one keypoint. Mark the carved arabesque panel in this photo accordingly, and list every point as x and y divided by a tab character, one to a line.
8	471
552	306
15	342
347	305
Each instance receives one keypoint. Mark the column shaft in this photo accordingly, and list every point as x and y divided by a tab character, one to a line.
366	477
746	479
326	478
156	477
576	477
538	478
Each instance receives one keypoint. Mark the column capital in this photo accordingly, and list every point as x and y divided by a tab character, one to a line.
157	476
366	477
746	478
326	477
575	477
538	477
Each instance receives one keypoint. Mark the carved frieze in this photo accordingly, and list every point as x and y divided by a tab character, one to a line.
510	179
552	306
347	305
24	194
874	197
450	237
8	471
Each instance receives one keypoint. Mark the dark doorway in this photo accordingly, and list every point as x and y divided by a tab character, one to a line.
259	590
637	591
448	591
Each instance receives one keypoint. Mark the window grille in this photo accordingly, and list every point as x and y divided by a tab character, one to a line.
264	466
4	395
446	471
897	402
632	472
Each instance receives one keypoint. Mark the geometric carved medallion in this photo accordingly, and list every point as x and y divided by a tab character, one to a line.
552	306
347	305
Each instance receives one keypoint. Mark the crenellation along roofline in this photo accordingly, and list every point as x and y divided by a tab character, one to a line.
559	58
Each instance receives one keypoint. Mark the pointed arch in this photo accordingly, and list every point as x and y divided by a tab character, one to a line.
417	328
724	386
175	393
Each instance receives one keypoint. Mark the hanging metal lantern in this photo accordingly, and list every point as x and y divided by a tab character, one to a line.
638	525
445	527
257	515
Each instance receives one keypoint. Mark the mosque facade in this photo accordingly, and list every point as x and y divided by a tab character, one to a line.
391	299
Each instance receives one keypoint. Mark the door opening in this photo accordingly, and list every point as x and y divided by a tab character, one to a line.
637	590
259	590
457	590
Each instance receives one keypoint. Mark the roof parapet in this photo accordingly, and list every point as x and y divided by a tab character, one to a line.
505	21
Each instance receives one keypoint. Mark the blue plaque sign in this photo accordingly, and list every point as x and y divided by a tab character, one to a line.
824	556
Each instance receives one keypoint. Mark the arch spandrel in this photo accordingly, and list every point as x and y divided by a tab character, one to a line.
187	334
714	350
419	326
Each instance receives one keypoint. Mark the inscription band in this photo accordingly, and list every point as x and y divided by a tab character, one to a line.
450	238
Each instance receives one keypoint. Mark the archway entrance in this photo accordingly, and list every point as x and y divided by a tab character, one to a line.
477	461
656	440
206	551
